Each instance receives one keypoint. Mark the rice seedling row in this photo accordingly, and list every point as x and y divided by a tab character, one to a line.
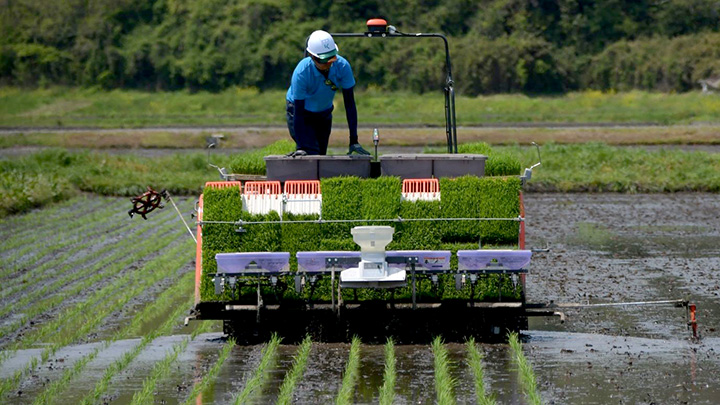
255	384
525	371
387	391
66	230
88	276
26	230
444	382
59	385
21	225
163	266
126	242
34	275
96	297
123	237
475	361
49	395
350	374
49	304
75	330
58	251
162	368
296	372
119	365
211	374
99	224
184	285
70	317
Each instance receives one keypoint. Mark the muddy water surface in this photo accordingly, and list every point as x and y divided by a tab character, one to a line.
602	248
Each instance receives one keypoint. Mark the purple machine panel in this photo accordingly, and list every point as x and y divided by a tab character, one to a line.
427	259
235	263
316	261
483	259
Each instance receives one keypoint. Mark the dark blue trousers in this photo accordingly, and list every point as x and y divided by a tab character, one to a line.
314	136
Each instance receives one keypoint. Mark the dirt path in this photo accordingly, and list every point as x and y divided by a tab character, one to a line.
390	135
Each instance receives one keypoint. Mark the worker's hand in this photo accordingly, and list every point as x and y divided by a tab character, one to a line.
296	153
357	148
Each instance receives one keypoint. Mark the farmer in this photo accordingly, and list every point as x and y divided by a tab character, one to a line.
310	97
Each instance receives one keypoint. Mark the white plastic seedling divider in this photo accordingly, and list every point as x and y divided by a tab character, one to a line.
303	197
421	190
261	197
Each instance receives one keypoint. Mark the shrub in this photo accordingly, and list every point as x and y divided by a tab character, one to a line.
20	192
667	64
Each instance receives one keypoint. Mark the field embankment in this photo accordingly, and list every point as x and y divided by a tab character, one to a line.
54	174
60	107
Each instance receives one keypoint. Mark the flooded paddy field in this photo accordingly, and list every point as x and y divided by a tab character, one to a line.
77	279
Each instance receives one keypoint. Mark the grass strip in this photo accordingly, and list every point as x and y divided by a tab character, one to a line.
295	373
387	391
162	369
49	395
350	375
127	108
124	255
444	382
474	360
211	374
88	274
525	371
160	267
257	381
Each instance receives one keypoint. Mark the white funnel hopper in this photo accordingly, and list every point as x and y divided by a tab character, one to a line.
373	271
372	241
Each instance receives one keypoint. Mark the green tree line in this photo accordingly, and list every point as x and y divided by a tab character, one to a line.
497	46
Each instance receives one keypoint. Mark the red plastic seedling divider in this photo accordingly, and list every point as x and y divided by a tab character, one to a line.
302	187
421	186
262	187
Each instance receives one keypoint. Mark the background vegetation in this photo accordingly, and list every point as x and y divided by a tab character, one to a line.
498	46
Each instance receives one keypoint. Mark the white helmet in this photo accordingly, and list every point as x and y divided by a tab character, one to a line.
321	45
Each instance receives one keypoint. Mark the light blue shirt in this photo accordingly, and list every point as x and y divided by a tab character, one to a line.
309	84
